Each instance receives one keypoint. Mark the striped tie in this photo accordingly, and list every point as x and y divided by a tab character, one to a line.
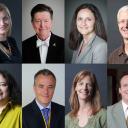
45	113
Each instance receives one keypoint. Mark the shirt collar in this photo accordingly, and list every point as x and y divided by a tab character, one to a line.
42	107
125	108
121	50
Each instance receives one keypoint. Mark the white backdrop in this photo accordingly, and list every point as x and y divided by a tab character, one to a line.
58	16
28	72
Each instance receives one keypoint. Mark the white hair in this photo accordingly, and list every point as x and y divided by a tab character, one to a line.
124	8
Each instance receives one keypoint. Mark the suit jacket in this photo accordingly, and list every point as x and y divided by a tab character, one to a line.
115	116
15	57
95	52
32	117
31	53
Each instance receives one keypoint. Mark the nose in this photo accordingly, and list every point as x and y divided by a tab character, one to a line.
1	22
46	90
42	23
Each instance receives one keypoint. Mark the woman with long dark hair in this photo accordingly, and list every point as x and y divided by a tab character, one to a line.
87	36
10	102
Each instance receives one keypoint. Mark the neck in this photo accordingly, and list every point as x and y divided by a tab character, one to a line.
86	38
43	37
84	105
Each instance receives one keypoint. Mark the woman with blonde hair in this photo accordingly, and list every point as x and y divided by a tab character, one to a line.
9	52
86	110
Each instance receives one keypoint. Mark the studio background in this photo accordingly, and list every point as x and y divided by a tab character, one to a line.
58	16
28	72
70	7
114	37
15	8
101	75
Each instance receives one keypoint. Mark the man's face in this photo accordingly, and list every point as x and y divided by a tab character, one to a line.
44	89
42	24
123	24
123	90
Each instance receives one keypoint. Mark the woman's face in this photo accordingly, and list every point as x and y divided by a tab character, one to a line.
4	92
4	23
84	88
85	21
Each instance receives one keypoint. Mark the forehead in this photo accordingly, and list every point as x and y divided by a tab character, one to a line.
85	13
85	78
2	79
45	79
124	79
43	14
3	13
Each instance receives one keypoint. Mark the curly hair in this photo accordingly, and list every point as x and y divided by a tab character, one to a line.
14	91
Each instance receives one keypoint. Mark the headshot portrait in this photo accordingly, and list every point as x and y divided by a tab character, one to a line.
45	104
87	34
10	36
43	31
117	115
119	49
84	96
10	96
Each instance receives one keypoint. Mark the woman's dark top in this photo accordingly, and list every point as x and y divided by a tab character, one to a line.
10	45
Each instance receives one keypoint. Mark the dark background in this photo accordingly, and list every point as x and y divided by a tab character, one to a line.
70	7
99	70
15	8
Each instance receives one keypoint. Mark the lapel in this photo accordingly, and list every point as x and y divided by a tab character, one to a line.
52	46
119	115
38	119
35	50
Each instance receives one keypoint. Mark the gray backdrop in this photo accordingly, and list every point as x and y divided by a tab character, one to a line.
58	16
70	7
114	37
15	7
99	70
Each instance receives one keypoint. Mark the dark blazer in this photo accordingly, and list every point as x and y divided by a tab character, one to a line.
32	117
15	56
55	54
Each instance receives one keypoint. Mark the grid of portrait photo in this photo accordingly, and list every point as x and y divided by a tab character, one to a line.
63	64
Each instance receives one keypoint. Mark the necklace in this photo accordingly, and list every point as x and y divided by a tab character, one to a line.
6	51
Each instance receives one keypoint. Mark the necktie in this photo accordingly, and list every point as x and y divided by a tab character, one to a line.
45	113
40	43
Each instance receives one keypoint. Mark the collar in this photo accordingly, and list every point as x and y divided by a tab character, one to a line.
42	107
46	41
121	50
125	108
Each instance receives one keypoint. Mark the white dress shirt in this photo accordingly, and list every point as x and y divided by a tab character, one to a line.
125	109
43	48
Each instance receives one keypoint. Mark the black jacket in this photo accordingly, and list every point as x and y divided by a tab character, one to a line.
32	117
30	52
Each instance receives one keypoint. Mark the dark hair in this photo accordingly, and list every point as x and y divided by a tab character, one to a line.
75	37
95	98
45	72
14	91
41	8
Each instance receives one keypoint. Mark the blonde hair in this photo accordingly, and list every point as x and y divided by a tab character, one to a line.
6	10
124	8
95	99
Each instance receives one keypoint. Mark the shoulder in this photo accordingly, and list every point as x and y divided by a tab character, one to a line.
115	52
28	107
31	39
57	106
17	109
112	108
102	113
100	42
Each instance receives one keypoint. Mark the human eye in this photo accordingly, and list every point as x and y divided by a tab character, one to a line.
79	19
3	84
